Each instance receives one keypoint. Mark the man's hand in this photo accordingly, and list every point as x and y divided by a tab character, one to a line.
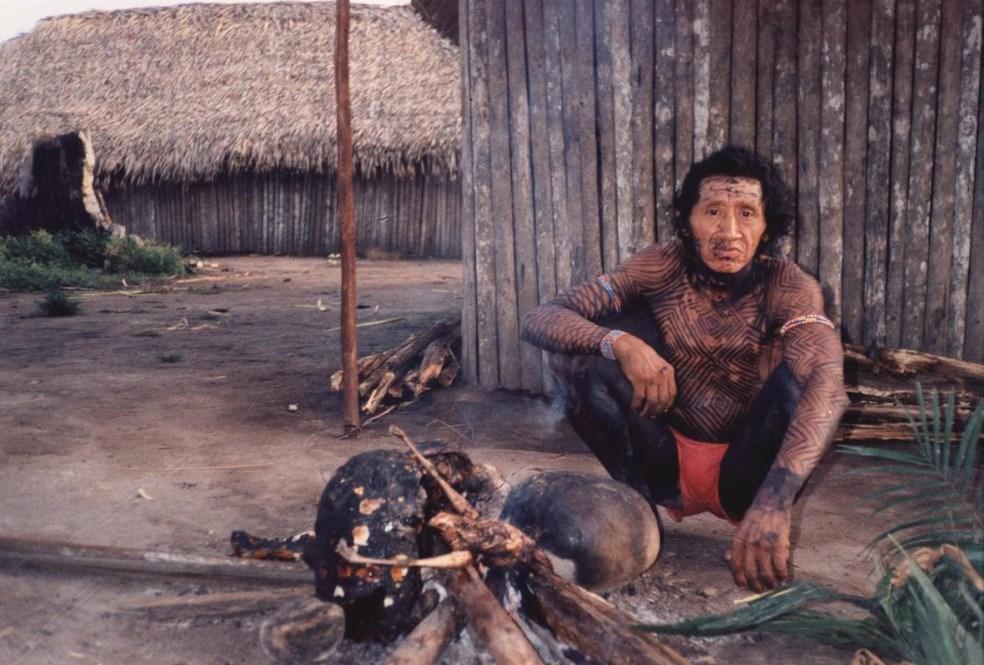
652	378
760	550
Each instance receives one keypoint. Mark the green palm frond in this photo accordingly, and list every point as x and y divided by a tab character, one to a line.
941	490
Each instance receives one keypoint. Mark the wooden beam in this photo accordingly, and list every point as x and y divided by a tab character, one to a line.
92	559
346	207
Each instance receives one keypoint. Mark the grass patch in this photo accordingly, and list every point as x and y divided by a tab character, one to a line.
88	259
170	358
59	303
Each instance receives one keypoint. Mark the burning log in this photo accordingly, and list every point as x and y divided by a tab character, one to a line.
594	625
490	621
422	360
304	631
425	644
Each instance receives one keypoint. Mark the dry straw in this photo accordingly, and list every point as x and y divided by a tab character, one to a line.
190	92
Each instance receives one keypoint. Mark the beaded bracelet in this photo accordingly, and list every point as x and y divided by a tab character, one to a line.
804	319
606	283
607	344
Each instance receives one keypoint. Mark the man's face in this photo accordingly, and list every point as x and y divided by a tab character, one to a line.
727	222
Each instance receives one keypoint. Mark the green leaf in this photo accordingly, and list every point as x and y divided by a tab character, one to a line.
942	638
751	615
924	505
937	434
952	520
895	470
962	539
884	453
951	407
969	443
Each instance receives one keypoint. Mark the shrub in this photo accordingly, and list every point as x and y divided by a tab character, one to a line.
59	303
87	258
126	255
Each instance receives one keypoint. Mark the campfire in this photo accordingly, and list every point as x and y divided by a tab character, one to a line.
401	555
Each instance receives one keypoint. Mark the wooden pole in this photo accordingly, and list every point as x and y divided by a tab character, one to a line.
346	210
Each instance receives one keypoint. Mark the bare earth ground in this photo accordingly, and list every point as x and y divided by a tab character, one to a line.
92	417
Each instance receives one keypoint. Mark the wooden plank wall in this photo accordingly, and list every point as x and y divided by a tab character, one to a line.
582	117
288	213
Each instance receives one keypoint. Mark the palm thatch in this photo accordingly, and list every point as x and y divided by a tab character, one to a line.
190	92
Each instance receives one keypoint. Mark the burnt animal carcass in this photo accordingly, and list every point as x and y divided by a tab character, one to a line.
376	503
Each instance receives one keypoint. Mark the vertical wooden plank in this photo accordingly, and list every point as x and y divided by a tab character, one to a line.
922	140
974	339
567	34
527	290
507	313
540	158
743	52
963	197
587	143
877	194
830	188
765	70
784	106
808	120
938	310
901	126
644	208
622	117
719	113
555	140
683	90
503	233
608	206
855	145
485	277
702	79
663	106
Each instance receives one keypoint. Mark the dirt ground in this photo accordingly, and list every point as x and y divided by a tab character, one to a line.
160	420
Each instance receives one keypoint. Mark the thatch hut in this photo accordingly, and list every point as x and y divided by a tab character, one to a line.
213	126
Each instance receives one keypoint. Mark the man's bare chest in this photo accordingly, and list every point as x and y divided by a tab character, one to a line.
695	328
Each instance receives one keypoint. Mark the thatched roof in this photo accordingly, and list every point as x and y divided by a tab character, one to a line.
186	93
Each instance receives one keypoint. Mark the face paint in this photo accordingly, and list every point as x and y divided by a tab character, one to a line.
728	222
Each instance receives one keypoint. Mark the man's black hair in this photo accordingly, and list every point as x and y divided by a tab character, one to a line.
738	162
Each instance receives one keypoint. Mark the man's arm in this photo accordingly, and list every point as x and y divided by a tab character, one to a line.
812	350
566	325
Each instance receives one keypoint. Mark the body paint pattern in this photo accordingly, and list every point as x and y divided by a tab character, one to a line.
717	342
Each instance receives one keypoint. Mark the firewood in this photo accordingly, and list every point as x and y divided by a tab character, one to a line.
908	363
450	372
304	631
380	391
433	359
219	605
575	615
594	625
405	353
425	643
366	365
90	559
492	624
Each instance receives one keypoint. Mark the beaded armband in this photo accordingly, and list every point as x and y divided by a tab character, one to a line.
803	320
607	344
606	283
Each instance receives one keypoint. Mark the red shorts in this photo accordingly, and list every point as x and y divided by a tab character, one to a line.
700	470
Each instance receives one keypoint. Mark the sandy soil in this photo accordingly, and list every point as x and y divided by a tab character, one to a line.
103	441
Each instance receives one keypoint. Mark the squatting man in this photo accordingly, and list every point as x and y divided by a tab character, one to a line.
702	371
